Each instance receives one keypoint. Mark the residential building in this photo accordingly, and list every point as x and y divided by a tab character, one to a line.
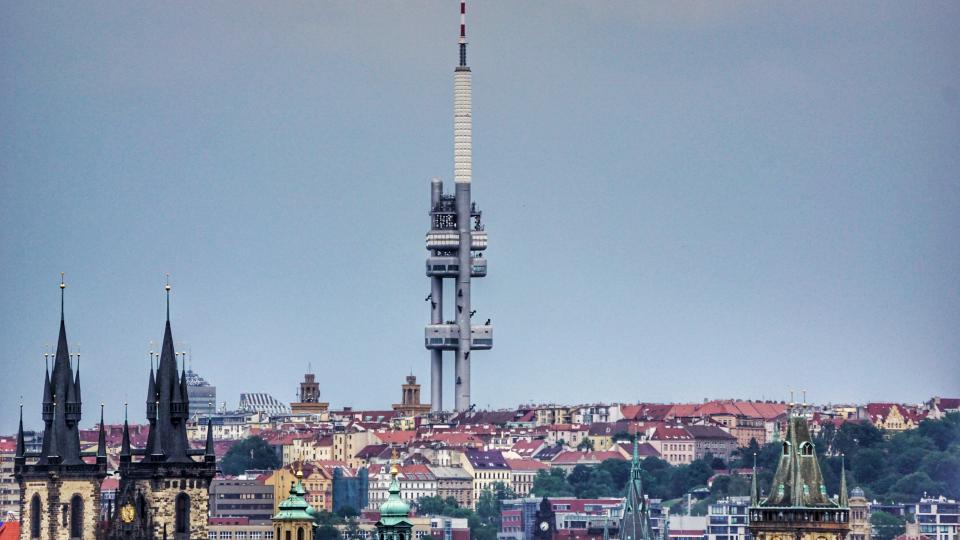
317	479
727	519
522	473
295	516
938	518
712	440
590	414
416	482
241	498
9	489
683	527
675	444
938	407
486	468
238	529
454	482
569	459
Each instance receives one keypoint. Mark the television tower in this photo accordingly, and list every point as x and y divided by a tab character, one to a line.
456	241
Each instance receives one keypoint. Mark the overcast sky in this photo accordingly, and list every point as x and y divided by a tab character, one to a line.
684	200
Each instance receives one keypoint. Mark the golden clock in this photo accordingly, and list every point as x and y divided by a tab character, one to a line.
127	513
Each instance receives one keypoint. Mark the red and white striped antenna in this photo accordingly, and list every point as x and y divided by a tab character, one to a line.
463	33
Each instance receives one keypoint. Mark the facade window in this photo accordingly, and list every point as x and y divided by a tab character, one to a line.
35	516
76	517
182	517
300	533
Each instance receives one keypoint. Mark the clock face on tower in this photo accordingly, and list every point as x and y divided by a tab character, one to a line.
127	513
544	526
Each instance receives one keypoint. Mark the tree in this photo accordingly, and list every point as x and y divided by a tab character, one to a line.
352	530
552	483
586	445
887	526
250	453
346	511
326	532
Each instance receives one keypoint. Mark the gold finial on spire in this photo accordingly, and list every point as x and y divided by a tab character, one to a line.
62	284
394	459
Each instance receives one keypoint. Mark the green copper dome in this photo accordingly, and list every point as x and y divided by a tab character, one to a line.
295	507
394	510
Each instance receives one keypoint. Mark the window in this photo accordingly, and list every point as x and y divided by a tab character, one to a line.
35	516
182	518
806	449
300	533
76	517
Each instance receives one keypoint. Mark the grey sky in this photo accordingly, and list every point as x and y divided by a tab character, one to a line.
685	200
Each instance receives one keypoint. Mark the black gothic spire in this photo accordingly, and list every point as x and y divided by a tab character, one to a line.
168	433
125	444
21	447
102	440
62	403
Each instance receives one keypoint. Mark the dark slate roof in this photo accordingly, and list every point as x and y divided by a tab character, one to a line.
709	432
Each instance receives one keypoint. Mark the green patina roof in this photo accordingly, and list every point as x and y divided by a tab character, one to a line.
394	511
635	523
798	482
295	507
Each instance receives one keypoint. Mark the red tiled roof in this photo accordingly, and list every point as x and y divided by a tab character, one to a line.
10	530
949	403
395	437
526	465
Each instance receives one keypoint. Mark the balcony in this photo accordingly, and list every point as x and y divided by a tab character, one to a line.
446	337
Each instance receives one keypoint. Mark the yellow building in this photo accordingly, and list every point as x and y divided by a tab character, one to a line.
294	519
317	480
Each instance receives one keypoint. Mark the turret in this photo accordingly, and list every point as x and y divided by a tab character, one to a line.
209	453
101	440
20	457
125	454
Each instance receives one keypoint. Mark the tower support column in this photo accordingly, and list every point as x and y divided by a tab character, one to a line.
436	355
462	366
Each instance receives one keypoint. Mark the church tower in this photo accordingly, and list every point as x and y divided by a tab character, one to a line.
394	523
635	524
164	488
60	486
798	507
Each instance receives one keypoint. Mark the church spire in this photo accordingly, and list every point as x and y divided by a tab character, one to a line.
21	447
102	439
635	524
754	494
125	444
843	482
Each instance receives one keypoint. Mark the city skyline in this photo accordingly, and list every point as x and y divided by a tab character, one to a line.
709	196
